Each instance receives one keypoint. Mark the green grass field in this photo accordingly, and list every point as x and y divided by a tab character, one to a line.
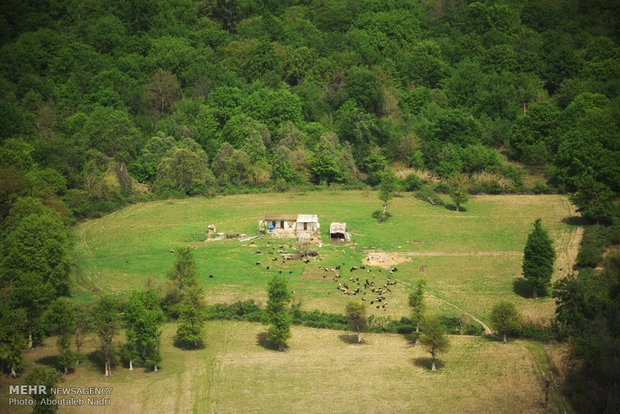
321	372
472	259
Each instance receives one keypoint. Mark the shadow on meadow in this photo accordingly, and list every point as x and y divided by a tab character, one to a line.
262	341
427	363
452	207
522	288
49	360
351	339
575	221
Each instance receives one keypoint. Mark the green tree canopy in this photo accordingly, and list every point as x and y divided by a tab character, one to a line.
538	259
356	312
505	318
278	312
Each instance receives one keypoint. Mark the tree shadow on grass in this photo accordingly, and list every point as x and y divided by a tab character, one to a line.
50	360
351	339
575	221
261	340
522	288
427	363
97	358
452	207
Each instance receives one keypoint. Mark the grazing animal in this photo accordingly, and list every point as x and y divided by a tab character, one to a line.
257	263
362	267
364	299
290	271
338	267
267	268
211	276
171	251
372	301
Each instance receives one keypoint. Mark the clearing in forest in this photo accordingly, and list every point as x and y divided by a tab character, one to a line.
472	259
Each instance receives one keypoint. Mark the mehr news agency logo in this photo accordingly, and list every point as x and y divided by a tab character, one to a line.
77	396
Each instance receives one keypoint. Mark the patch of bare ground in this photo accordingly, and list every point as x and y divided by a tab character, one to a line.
384	260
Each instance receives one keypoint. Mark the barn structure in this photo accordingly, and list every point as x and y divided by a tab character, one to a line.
338	233
291	224
308	223
282	222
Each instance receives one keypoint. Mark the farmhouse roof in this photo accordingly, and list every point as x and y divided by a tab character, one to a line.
280	216
337	227
308	218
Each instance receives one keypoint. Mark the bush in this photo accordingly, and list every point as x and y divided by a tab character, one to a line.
595	239
380	215
412	182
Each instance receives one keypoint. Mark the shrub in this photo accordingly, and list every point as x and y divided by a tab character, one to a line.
412	182
595	239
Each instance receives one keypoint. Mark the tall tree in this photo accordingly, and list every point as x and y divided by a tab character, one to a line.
434	337
61	317
32	294
82	323
458	191
278	315
505	318
12	338
417	304
387	188
143	316
106	322
538	258
162	92
183	273
356	312
191	319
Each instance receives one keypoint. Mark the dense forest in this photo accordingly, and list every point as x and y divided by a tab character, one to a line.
109	101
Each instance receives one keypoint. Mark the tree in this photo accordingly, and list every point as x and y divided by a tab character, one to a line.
12	340
143	316
48	377
38	244
183	273
418	306
387	188
505	318
106	325
538	258
191	319
162	91
33	295
434	337
82	323
61	317
356	312
458	191
278	315
594	199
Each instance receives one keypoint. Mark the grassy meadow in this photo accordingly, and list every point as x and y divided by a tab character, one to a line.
472	258
322	371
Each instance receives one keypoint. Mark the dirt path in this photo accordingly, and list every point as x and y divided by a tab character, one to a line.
487	330
492	253
567	249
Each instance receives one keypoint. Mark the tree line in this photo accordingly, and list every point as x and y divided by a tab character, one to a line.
105	102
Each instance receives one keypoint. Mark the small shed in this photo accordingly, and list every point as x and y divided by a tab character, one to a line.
338	232
308	223
281	221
